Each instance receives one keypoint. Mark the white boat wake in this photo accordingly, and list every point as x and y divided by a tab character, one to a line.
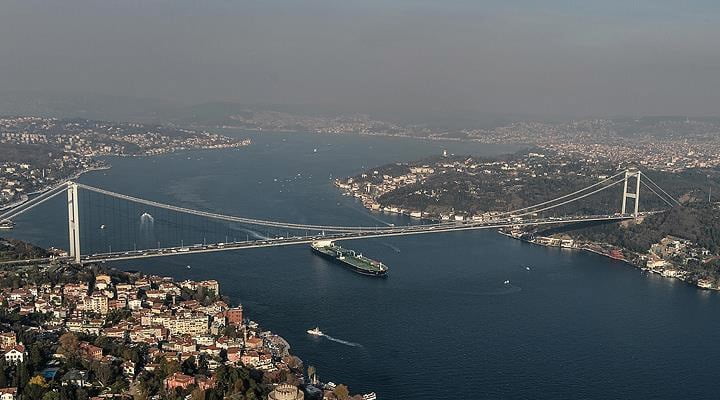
345	342
394	248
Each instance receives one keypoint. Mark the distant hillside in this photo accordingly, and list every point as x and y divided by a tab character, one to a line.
84	105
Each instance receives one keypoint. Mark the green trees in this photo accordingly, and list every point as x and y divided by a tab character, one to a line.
240	380
51	396
115	316
36	388
106	373
3	373
197	394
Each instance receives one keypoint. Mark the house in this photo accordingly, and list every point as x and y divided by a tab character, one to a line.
211	286
135	304
254	343
211	350
102	282
128	368
21	294
9	393
234	354
178	380
8	339
90	351
16	354
75	377
251	358
205	383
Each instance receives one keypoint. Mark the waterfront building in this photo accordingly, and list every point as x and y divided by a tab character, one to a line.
286	392
234	316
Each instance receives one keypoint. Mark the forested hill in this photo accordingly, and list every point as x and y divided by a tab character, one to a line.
11	249
697	222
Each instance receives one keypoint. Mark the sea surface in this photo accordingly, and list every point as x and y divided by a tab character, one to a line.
443	324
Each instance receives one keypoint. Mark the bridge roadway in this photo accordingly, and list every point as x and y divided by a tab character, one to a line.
399	231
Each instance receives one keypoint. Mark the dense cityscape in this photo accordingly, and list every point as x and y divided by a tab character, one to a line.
73	332
667	143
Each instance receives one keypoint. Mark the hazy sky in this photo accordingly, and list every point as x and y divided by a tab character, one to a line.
594	57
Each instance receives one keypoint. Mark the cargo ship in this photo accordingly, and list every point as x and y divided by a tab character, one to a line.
348	258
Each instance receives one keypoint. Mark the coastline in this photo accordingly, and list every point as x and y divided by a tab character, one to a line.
26	197
376	134
636	260
624	260
75	175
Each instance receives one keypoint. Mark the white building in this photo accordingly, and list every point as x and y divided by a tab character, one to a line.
15	355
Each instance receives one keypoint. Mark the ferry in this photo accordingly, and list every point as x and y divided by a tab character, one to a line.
315	331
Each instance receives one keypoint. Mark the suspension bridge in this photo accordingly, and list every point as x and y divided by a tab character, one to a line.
630	180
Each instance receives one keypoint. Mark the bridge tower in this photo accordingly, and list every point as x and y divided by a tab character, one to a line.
634	195
73	220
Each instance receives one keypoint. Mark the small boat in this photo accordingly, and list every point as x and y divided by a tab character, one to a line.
102	226
315	331
527	268
188	267
370	396
6	224
507	282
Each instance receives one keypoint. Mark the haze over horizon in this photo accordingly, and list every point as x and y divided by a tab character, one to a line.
613	58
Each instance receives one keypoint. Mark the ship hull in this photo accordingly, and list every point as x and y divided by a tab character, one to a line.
348	265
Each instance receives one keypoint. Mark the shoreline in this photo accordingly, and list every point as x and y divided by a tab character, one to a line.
26	197
624	260
376	134
75	175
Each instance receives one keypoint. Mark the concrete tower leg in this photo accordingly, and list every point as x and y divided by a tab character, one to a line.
635	196
73	221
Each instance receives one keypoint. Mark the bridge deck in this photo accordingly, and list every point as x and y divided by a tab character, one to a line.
400	231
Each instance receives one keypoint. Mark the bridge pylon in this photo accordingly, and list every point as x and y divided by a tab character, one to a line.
73	220
632	195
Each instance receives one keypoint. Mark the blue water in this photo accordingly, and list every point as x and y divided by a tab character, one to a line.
443	324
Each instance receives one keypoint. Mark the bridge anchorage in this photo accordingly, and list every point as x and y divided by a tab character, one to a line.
632	180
